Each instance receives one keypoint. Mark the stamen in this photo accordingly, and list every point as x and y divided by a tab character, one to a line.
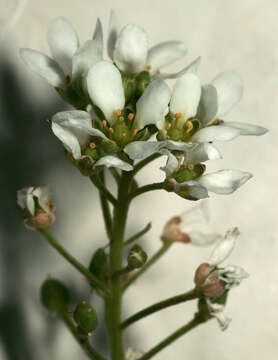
190	166
135	131
119	112
123	134
121	118
104	122
148	67
111	130
168	126
178	115
92	145
130	116
189	126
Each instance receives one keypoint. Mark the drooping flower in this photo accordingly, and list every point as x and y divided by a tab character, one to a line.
186	227
129	49
38	207
69	60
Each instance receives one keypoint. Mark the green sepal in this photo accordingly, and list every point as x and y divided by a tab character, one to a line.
85	165
136	258
143	80
129	85
186	174
85	317
54	295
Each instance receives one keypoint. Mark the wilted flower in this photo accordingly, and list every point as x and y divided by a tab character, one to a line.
38	207
217	311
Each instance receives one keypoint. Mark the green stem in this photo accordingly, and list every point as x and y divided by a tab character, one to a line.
99	184
152	260
190	295
138	235
85	345
105	209
114	301
74	262
146	188
173	337
115	175
144	162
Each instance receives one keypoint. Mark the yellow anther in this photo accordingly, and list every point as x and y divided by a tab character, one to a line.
111	130
189	126
123	134
168	126
119	112
130	116
135	131
178	115
215	122
104	122
190	166
92	145
148	67
121	118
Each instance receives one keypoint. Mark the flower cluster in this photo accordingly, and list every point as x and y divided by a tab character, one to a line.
121	103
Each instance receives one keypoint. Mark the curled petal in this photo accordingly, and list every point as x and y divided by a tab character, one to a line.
201	153
216	133
44	66
232	275
208	106
152	104
224	181
186	95
164	54
112	161
229	89
105	88
224	247
85	57
26	200
200	239
191	188
63	42
98	35
131	49
172	162
247	129
113	34
217	311
191	68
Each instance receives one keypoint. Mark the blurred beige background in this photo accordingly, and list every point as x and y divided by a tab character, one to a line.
238	35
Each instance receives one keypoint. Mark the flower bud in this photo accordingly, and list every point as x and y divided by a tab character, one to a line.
189	172
143	80
172	231
54	295
207	280
85	165
136	257
85	317
98	265
129	84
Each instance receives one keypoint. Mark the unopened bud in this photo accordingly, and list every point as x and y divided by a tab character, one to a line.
98	265
85	317
136	257
207	280
43	220
172	231
85	165
54	295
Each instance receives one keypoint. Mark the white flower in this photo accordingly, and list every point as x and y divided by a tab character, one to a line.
186	227
69	59
74	129
132	354
26	198
217	311
129	49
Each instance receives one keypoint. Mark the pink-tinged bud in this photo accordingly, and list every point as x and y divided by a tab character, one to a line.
207	280
172	231
43	220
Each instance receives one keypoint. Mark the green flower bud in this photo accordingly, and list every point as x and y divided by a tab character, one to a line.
99	264
143	80
85	165
85	317
54	295
136	257
129	84
108	147
189	172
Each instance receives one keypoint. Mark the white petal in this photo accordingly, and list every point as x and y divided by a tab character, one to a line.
73	129
98	35
200	239
193	188
85	57
195	216
112	161
229	88
232	275
43	194
113	34
224	247
104	83
63	42
216	133
143	149
172	162
217	311
208	106
202	153
224	181
164	54
186	95
131	49
191	68
25	199
44	66
151	106
247	129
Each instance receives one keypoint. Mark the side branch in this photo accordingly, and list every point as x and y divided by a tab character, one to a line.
104	191
139	234
144	162
190	295
74	262
146	188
